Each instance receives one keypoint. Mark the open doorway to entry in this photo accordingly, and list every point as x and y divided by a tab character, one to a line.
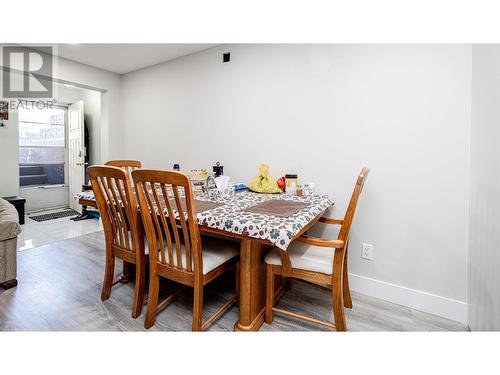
43	155
55	145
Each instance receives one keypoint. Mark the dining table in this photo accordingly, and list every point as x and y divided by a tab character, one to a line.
260	222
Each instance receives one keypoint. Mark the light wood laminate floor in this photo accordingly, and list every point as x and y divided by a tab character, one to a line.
60	286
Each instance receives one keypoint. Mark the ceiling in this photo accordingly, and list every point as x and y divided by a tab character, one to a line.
124	58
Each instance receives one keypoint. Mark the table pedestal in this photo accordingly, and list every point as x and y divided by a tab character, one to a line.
253	285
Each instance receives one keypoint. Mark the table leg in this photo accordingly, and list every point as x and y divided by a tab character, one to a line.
128	268
252	286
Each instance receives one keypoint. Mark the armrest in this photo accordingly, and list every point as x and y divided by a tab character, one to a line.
336	244
328	220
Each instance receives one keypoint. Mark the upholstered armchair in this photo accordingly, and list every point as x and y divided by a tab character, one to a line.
9	230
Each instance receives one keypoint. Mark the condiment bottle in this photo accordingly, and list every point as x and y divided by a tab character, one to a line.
291	183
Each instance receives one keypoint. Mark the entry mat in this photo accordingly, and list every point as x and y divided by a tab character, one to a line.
53	215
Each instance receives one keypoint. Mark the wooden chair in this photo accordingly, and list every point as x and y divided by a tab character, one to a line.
122	229
318	261
128	165
176	250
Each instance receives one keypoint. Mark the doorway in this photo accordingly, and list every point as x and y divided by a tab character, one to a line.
55	145
43	155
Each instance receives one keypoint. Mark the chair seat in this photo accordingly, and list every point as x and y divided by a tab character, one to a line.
305	257
215	251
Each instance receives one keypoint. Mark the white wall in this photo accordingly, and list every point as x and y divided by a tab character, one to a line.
9	156
324	111
484	211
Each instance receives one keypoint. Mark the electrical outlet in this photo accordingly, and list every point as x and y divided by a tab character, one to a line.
367	251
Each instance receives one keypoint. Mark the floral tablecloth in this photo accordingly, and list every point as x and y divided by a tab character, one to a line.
231	218
87	195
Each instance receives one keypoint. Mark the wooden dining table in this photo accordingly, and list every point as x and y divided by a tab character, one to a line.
257	233
252	276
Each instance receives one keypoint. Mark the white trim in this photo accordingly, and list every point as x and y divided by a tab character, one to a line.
415	299
468	184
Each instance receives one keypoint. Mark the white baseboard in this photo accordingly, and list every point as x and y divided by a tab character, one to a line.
416	299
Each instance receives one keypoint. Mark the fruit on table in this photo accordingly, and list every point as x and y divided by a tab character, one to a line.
281	183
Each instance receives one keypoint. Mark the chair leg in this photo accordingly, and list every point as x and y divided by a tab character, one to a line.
338	306
109	272
125	276
154	289
269	293
197	307
345	280
140	275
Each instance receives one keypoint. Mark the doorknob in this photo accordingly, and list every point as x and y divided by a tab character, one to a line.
79	164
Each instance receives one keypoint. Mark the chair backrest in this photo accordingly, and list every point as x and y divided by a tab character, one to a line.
171	227
117	206
128	165
351	209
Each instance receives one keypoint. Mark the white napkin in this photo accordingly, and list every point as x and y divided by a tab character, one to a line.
222	183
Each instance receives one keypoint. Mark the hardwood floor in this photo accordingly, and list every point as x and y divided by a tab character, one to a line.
60	287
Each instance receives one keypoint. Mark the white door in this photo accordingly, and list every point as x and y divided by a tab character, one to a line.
76	162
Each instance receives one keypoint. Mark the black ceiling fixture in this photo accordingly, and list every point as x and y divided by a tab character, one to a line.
226	57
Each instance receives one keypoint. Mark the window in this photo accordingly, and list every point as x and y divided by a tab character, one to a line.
42	145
